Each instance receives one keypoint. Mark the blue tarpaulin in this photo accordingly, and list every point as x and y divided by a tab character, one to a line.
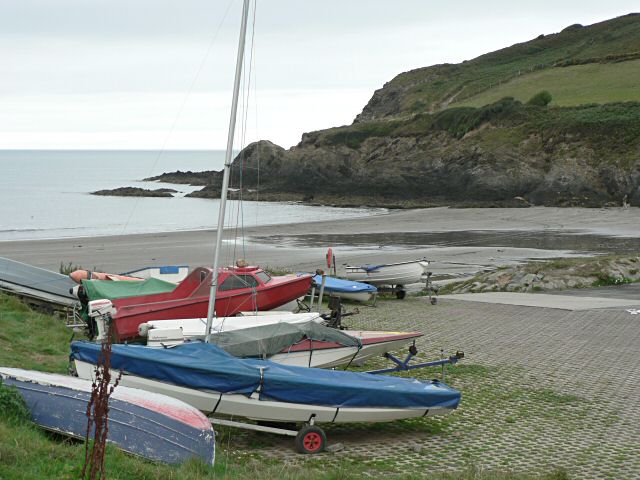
205	366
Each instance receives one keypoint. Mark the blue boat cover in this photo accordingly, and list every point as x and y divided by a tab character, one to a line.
333	284
205	366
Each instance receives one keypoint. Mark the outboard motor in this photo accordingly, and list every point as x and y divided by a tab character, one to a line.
334	319
101	312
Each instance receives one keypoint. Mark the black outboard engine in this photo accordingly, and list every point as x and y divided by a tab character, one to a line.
334	319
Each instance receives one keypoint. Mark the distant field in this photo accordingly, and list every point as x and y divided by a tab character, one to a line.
569	86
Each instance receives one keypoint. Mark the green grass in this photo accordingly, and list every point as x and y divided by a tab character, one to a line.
31	340
569	86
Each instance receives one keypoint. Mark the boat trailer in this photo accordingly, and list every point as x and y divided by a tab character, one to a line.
310	438
400	291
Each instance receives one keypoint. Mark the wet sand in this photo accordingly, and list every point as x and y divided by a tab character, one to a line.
459	242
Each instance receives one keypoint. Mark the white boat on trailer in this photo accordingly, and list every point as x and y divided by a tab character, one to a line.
211	380
395	275
314	346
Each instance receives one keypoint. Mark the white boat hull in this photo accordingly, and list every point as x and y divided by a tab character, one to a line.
339	356
195	328
211	402
164	333
404	273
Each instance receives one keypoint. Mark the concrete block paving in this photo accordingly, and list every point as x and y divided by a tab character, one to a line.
542	389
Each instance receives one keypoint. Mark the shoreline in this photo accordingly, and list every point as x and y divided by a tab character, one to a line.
367	239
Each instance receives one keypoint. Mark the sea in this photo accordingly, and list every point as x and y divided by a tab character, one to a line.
46	194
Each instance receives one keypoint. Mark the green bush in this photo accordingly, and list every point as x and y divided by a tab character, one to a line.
541	99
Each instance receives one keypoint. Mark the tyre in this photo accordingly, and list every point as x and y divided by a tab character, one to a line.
310	440
401	294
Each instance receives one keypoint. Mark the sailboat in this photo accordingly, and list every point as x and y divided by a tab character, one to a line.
210	379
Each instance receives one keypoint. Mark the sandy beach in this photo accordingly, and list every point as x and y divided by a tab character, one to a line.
457	241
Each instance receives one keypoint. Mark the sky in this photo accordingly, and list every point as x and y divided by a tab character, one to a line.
158	74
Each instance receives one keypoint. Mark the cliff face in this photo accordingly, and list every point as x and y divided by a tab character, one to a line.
415	145
584	156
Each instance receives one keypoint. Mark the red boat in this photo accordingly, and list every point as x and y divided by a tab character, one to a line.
239	289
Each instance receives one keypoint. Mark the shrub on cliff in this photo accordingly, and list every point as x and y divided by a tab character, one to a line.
541	99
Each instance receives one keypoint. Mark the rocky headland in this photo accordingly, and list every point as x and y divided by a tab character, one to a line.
427	138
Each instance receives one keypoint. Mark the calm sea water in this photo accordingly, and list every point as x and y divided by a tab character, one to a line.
45	194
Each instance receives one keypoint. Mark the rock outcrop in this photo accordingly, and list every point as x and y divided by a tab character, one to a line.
553	275
136	192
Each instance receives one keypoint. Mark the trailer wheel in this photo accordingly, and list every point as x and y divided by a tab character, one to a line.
311	439
434	300
400	292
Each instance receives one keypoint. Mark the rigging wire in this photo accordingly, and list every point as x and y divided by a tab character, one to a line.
181	108
246	88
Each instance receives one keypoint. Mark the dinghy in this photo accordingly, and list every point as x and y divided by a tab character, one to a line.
211	380
154	426
240	289
402	273
302	343
345	289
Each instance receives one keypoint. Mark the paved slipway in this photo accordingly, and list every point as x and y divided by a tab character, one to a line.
543	389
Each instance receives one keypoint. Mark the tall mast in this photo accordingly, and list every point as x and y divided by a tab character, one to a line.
227	169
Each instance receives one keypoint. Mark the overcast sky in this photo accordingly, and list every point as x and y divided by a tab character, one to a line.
150	74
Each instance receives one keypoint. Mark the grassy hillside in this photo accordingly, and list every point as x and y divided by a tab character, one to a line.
570	86
434	88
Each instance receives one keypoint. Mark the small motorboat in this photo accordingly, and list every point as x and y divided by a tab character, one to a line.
215	382
304	343
240	289
154	426
345	289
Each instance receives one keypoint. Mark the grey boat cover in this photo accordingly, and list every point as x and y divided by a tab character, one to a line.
263	341
35	279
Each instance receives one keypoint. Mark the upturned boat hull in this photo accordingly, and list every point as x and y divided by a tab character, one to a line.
149	425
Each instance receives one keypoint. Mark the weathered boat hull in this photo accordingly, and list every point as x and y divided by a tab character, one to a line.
149	425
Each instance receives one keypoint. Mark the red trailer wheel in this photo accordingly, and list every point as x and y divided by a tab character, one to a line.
311	439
